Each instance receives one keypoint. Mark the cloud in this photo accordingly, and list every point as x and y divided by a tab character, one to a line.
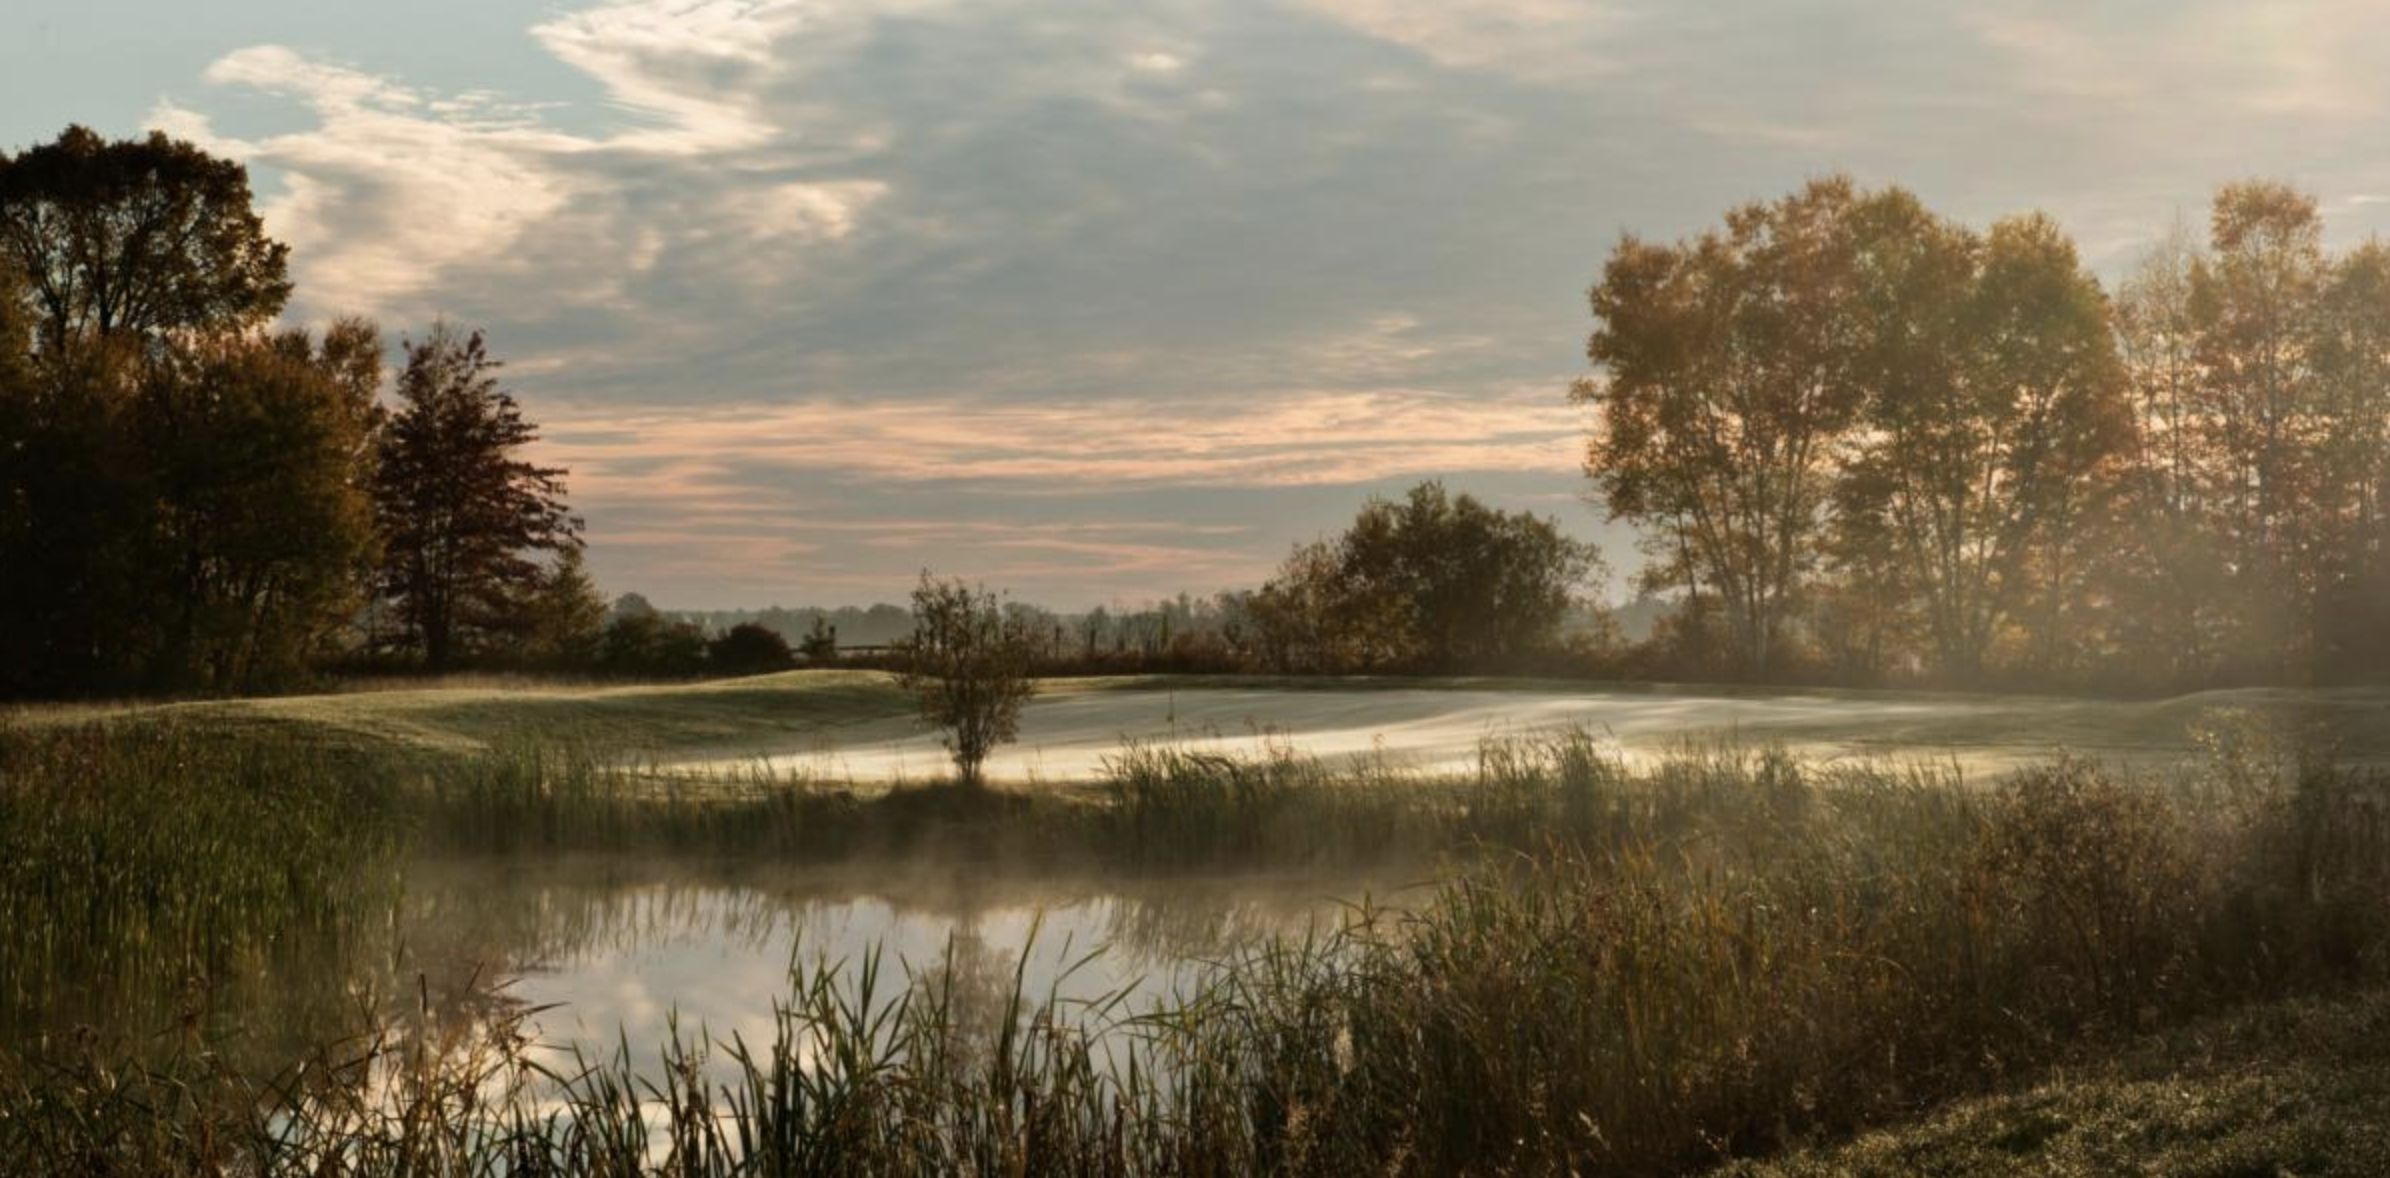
1547	40
395	190
1094	496
707	460
694	67
811	292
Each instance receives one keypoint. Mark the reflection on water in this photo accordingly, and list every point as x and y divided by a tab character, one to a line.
606	954
609	953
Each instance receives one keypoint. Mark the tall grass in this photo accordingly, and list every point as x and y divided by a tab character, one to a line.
1647	971
159	860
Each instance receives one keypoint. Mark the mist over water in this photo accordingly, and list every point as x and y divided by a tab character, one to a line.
1070	737
600	955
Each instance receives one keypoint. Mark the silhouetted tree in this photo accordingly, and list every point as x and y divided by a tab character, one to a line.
749	649
179	491
137	237
821	642
646	643
460	512
967	667
1446	582
262	538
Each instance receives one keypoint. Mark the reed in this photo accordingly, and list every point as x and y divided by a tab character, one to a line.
1644	971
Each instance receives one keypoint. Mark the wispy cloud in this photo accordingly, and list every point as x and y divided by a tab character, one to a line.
710	460
1123	298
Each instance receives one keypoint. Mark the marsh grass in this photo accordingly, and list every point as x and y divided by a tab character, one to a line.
1631	970
161	860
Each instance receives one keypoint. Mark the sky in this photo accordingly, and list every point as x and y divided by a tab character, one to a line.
1099	302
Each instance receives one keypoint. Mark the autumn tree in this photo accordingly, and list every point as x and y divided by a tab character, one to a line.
138	237
263	533
2349	342
184	489
1993	400
2161	551
2255	302
968	669
461	512
1725	401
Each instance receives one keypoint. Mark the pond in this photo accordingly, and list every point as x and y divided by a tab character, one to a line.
599	954
594	955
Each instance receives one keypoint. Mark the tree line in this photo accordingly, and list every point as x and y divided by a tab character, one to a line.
192	500
1865	442
1860	441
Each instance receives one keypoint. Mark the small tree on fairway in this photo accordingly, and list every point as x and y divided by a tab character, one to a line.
967	666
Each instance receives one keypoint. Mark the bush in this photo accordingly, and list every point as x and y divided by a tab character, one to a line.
749	649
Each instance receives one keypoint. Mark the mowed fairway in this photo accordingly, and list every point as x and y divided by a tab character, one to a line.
856	727
1066	736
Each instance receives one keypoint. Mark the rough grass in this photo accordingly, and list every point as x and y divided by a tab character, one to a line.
1648	971
2298	1087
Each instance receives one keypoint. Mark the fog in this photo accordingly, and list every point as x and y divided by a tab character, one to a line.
1068	737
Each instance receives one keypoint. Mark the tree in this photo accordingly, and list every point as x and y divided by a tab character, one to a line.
749	649
1726	401
564	615
137	237
646	643
2162	551
459	511
820	647
967	667
1447	582
262	535
177	487
1993	400
1295	612
2350	344
2255	303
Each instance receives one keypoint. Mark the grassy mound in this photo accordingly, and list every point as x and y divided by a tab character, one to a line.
2299	1087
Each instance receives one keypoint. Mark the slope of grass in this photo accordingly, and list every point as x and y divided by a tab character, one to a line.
2298	1088
415	722
830	723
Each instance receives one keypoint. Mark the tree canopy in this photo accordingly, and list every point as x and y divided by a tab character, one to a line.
1874	440
137	236
1430	581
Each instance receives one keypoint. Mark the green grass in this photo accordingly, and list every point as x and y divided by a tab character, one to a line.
140	869
415	724
806	712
